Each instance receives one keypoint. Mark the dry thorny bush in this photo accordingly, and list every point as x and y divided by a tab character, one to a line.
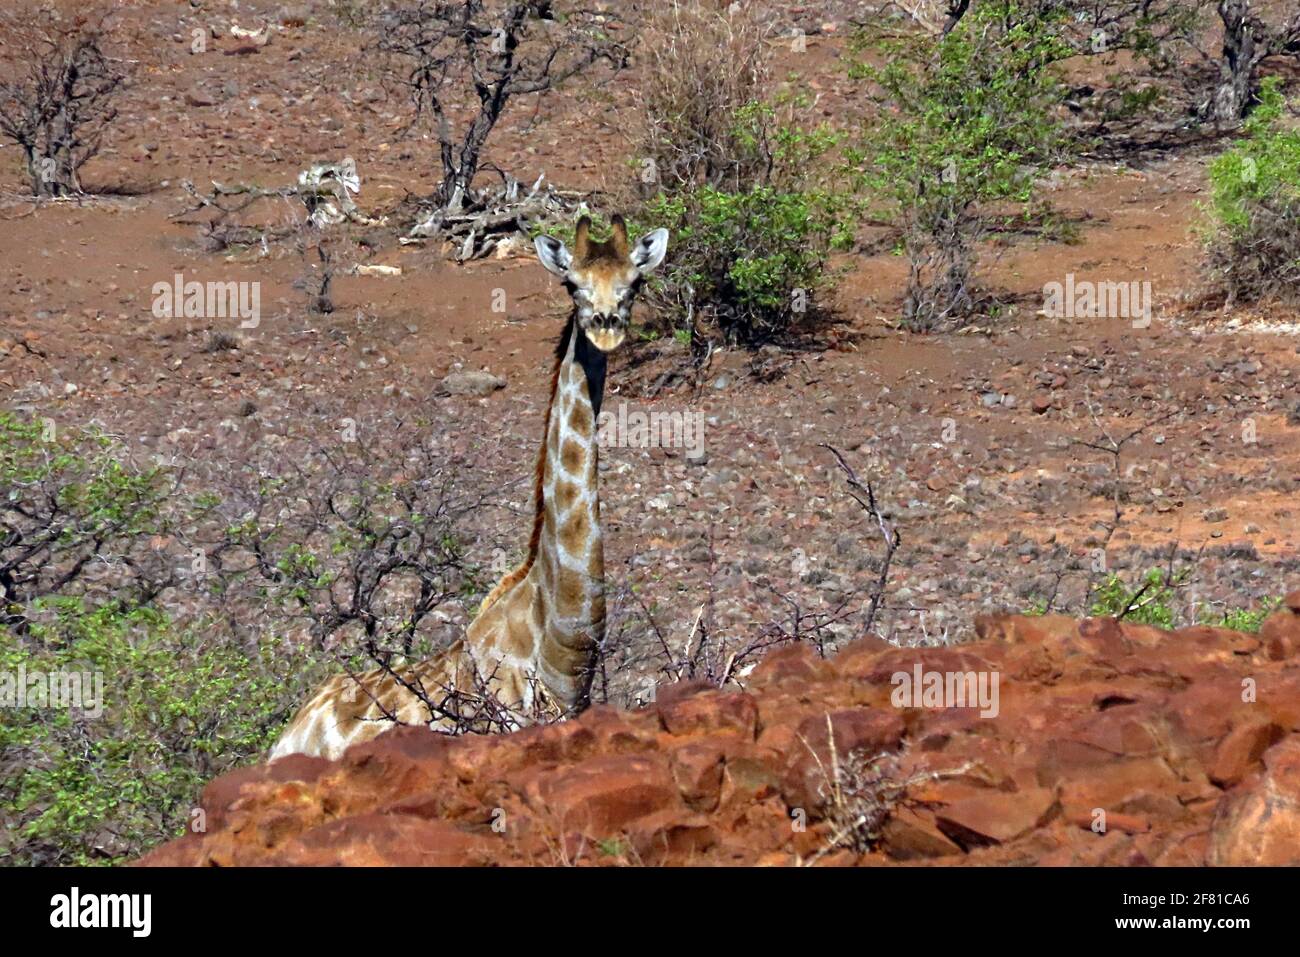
701	70
646	653
58	87
861	791
362	552
460	64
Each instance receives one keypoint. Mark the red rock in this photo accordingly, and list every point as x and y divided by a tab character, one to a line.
1217	642
857	730
668	837
1209	709
1241	750
882	668
1127	785
697	770
185	851
606	729
387	840
1258	823
1280	632
911	835
747	779
603	795
863	733
1279	694
711	713
1026	629
1098	714
221	793
860	654
793	663
680	690
1113	821
998	817
1105	638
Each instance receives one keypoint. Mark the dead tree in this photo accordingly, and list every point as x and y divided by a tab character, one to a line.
1247	41
324	189
462	62
58	92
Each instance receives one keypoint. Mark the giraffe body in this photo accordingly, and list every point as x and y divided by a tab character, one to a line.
533	643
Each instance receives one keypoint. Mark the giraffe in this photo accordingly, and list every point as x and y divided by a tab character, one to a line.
531	647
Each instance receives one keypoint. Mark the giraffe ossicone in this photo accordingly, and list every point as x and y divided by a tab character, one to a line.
530	651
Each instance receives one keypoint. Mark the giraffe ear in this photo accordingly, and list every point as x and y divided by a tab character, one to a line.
553	254
650	250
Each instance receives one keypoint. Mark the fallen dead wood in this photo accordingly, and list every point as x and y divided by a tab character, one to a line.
498	218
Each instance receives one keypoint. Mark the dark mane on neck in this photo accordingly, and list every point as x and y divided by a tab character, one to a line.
591	359
562	346
593	364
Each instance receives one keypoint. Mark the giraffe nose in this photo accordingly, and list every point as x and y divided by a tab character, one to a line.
606	320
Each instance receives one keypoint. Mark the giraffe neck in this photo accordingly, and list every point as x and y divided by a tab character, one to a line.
568	564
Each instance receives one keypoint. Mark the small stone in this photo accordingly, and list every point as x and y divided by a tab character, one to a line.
472	383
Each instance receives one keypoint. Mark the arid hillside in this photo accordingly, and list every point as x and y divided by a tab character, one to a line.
1103	511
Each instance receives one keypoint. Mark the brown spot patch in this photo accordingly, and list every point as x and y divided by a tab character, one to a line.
518	638
569	593
547	569
580	418
574	532
564	659
566	493
573	456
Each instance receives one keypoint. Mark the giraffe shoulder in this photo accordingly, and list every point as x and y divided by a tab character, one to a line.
503	586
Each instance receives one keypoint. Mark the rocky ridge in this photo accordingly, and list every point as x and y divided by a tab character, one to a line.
1113	744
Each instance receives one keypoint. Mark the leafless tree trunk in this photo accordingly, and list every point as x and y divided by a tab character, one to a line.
1247	41
448	53
56	101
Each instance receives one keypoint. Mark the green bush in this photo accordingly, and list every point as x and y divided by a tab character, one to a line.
1150	602
1241	619
1253	233
750	261
734	167
965	120
178	708
179	704
73	513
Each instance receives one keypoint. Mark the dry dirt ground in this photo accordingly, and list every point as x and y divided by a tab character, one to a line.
971	440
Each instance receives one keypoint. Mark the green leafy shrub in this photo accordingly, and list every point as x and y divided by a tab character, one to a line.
82	586
966	119
1150	602
177	708
749	262
730	167
207	616
1241	619
1253	233
74	513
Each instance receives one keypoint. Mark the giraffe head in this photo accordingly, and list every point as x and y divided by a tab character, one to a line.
603	277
